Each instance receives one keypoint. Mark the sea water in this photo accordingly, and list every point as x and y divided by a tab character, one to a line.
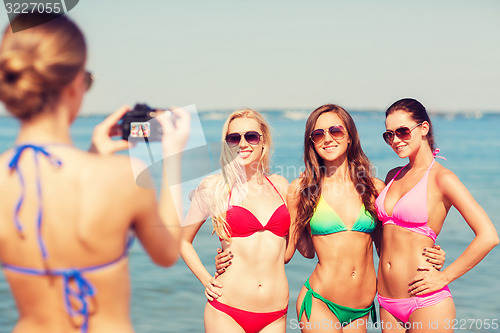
172	299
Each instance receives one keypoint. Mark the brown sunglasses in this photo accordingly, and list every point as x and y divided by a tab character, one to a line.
403	133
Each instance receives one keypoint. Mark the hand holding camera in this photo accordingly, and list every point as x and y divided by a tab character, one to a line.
142	124
101	137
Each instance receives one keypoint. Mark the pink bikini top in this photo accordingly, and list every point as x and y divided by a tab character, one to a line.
410	211
243	223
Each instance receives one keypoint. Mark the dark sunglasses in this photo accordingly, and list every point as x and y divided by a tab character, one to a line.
337	132
88	79
403	133
252	137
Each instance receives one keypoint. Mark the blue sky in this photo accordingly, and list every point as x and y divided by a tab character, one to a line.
291	54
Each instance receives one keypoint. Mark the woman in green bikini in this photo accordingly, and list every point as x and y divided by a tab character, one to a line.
332	212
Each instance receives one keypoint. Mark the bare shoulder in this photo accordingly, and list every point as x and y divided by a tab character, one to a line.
293	197
114	159
5	156
119	173
203	198
279	181
210	182
207	187
379	184
293	190
294	186
5	160
119	165
445	178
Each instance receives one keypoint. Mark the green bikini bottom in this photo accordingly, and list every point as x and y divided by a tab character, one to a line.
343	313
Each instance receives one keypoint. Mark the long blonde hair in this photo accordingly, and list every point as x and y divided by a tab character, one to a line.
216	188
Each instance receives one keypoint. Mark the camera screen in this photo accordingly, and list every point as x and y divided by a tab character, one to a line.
140	130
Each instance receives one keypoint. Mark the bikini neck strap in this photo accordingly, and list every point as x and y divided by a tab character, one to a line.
14	165
265	176
435	152
434	156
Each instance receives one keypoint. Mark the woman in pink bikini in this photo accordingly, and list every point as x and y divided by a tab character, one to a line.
250	217
412	209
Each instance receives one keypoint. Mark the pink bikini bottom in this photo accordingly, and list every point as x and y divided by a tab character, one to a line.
402	308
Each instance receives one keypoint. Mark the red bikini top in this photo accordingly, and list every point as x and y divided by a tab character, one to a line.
243	223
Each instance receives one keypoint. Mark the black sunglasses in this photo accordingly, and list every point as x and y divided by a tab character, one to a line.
337	132
89	79
252	137
403	133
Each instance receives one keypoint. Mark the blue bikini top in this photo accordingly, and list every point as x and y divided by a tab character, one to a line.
325	220
82	289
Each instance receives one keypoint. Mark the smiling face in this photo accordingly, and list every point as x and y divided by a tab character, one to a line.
405	147
330	149
247	154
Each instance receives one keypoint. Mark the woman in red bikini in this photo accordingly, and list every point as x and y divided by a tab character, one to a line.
67	215
250	217
412	209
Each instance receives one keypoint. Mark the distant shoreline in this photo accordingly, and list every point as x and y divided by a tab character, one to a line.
459	113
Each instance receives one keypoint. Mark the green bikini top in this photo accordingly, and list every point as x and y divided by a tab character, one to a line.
326	221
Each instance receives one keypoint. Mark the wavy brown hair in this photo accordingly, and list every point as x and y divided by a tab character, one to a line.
311	183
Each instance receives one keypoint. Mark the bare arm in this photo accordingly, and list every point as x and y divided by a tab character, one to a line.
174	138
159	235
305	244
156	224
486	237
295	241
377	234
195	218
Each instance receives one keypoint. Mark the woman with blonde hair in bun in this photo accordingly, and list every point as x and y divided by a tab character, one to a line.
66	215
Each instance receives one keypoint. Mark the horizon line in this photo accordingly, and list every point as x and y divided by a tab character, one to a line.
82	113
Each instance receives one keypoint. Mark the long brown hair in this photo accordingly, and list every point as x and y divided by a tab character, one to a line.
311	183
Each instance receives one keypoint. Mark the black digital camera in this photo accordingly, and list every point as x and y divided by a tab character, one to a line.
139	124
